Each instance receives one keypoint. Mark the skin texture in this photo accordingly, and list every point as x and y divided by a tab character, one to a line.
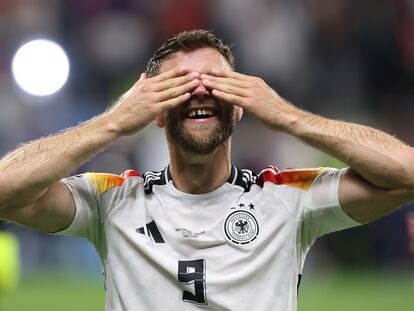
199	173
31	192
380	177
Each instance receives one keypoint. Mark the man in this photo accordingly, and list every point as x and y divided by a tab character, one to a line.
202	234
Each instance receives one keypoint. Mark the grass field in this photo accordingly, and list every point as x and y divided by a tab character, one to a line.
340	292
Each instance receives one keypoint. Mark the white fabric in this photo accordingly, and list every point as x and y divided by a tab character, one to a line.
261	275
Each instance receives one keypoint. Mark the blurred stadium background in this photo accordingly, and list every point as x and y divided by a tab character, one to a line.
345	59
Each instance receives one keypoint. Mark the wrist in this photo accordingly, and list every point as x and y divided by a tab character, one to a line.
292	120
108	124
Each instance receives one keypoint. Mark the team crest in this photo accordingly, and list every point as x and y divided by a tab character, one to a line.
241	227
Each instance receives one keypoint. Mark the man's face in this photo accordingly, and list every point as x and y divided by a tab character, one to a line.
202	123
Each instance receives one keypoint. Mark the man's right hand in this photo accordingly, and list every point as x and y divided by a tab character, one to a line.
149	97
30	190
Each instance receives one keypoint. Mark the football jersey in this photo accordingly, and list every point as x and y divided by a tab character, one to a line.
239	247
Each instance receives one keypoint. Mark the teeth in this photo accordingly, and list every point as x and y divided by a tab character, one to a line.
201	112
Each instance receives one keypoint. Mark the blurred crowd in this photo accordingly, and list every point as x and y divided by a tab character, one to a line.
344	59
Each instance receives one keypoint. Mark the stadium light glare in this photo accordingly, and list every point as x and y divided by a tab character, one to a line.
40	67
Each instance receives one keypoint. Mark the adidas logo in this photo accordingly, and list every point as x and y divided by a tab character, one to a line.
152	231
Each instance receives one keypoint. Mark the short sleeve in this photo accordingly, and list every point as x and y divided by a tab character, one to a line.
95	195
321	210
86	222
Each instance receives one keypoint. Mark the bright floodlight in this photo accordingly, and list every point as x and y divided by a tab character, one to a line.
40	67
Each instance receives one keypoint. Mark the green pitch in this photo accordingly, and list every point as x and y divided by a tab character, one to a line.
340	292
54	291
359	291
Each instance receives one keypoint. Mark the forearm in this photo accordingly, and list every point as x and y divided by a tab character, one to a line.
380	158
27	172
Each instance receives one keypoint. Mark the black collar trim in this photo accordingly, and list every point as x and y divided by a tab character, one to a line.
239	177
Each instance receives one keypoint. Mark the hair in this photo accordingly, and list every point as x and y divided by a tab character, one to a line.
188	41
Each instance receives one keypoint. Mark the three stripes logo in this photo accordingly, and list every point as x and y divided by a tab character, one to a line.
151	179
152	231
248	178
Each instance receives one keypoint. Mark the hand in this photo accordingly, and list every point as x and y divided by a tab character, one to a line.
253	95
149	97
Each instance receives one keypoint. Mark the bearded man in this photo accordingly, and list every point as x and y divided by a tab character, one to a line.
201	233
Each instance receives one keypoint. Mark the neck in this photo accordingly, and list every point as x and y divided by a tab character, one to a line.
197	174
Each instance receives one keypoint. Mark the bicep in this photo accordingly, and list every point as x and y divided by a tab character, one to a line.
54	211
365	202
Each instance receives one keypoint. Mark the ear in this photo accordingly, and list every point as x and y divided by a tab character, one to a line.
160	120
239	113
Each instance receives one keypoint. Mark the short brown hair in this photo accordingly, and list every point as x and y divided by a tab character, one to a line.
188	41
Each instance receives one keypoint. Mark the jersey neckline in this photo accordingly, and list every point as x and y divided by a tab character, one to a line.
201	196
243	178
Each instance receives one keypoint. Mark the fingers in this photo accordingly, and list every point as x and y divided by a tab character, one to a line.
173	82
143	76
230	98
175	72
226	85
178	90
230	81
176	101
229	74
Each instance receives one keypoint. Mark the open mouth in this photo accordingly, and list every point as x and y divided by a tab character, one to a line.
201	113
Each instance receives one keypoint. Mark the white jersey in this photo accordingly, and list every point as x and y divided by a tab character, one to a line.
239	247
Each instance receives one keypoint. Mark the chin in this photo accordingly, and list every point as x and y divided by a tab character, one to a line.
199	138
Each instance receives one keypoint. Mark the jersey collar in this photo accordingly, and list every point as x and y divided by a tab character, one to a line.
240	177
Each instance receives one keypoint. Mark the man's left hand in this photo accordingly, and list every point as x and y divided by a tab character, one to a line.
253	95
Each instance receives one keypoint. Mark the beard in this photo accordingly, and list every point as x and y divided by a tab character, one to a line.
201	139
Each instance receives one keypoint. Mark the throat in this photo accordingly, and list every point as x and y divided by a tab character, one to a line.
199	178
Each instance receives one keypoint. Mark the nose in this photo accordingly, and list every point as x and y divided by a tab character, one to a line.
200	91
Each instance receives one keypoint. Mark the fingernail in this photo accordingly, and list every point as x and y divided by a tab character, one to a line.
182	69
206	81
215	71
194	75
195	82
204	76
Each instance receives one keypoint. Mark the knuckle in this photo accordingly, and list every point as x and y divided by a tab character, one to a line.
168	103
157	98
169	84
152	110
145	88
188	86
174	92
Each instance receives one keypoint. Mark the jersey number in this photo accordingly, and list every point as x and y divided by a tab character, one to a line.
193	272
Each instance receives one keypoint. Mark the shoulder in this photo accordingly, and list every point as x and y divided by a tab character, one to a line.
152	178
102	182
301	178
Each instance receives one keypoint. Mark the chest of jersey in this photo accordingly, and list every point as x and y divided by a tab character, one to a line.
221	250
